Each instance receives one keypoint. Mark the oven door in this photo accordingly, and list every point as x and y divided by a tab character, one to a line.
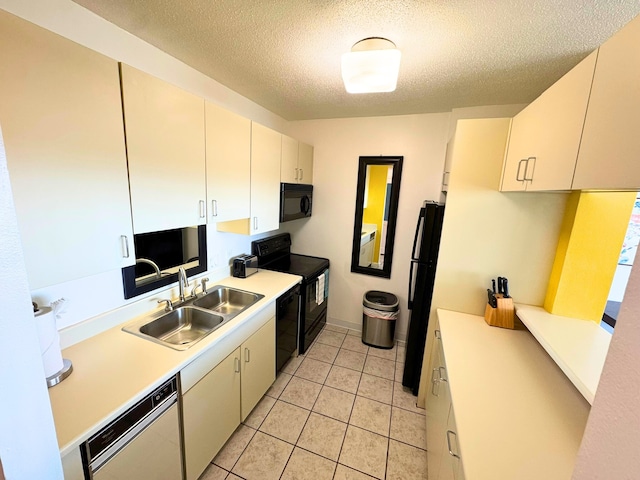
295	201
315	317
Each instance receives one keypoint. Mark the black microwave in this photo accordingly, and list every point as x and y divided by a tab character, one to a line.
295	201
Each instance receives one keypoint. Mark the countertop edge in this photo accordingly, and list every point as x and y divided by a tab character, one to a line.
581	359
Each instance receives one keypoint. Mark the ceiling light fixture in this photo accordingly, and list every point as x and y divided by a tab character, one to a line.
371	66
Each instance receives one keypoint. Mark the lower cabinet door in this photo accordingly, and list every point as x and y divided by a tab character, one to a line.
211	413
258	366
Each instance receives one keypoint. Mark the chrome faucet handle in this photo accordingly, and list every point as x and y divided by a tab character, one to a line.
169	305
183	282
194	293
203	282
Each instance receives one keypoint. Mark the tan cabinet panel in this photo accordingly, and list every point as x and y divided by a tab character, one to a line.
228	149
289	162
211	413
258	366
545	136
610	146
305	163
166	153
61	119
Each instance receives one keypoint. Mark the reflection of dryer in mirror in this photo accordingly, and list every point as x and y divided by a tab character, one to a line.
367	244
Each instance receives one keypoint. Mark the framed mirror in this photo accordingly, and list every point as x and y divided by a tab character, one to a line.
159	255
374	226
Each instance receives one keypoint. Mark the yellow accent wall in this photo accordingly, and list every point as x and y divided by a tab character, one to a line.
375	203
592	233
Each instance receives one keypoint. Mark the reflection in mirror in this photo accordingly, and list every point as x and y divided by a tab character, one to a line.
159	255
375	217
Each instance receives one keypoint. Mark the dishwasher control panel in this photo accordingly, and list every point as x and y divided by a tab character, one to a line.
96	450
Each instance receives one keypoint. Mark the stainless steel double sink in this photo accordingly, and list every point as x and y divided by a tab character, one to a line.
196	318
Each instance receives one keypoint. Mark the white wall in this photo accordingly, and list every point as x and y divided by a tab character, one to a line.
338	144
28	444
611	441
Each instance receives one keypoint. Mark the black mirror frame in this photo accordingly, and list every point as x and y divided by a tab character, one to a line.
129	273
396	161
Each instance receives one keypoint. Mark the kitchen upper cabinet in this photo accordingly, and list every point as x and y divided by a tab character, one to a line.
228	150
266	150
258	366
211	413
305	163
166	153
545	136
610	147
61	120
296	165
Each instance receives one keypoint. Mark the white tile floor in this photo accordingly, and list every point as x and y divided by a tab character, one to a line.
339	412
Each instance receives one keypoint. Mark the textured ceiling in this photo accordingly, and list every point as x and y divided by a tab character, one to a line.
285	54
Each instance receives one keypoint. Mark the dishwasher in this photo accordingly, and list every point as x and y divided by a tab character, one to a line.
143	442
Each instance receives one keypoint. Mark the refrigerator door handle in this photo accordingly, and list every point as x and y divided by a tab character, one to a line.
414	255
410	298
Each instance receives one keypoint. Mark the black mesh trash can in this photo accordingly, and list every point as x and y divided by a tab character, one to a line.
379	315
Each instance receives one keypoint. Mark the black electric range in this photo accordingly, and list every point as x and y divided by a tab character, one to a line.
274	253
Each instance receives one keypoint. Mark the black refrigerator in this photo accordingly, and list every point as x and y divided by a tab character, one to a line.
422	272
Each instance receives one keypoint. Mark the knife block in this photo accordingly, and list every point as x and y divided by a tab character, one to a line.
503	315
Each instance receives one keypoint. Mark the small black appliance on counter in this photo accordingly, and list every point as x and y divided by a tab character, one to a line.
245	265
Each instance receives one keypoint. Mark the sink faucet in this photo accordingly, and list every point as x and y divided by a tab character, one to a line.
183	283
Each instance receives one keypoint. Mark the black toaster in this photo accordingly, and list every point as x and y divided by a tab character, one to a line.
245	265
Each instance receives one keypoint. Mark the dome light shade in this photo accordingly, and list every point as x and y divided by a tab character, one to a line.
371	66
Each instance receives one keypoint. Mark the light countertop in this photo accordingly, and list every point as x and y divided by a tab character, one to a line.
517	415
579	347
114	369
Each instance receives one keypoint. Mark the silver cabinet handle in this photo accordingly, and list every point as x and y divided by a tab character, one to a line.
202	212
301	174
214	208
437	334
255	223
296	173
442	377
450	432
434	382
526	169
124	240
236	364
247	355
518	172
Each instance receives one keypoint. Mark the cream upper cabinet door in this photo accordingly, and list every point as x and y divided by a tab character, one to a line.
305	163
266	148
610	149
512	171
228	148
166	153
289	162
61	120
545	136
258	366
211	412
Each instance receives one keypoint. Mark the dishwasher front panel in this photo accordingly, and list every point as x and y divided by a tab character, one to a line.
153	454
